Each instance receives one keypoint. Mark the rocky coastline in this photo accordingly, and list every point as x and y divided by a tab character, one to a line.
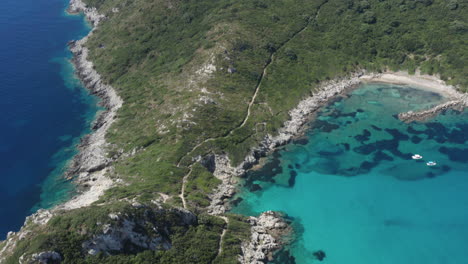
91	164
269	232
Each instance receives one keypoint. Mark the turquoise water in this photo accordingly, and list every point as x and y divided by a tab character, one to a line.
354	192
44	110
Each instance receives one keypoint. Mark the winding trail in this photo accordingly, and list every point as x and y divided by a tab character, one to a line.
252	101
184	183
220	247
258	86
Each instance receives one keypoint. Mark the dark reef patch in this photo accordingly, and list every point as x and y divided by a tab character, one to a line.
455	154
266	173
380	156
255	187
365	136
416	139
442	134
396	134
292	178
346	146
324	126
301	141
319	254
446	168
376	128
236	201
283	257
367	166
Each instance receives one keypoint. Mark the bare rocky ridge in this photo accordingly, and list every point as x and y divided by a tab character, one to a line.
123	233
268	233
91	13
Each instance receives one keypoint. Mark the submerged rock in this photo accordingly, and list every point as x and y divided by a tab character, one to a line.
320	255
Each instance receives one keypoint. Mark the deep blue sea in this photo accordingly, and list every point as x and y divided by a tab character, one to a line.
353	191
43	108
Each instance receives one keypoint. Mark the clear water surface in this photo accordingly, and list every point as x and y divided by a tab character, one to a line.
354	192
43	108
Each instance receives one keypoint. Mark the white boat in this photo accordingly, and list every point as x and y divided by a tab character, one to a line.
416	157
431	163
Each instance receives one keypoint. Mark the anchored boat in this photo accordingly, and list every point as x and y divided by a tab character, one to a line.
416	157
431	163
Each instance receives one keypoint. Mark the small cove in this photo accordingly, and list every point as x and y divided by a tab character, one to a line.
353	190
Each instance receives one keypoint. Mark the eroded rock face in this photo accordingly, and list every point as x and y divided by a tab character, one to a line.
228	175
91	13
268	230
116	238
46	257
130	234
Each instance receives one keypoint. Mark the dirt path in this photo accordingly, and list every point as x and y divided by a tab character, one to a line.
257	88
182	191
252	101
220	248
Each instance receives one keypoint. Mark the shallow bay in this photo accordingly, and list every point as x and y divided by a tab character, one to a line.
353	190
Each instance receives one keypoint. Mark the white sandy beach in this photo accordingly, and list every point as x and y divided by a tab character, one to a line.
420	81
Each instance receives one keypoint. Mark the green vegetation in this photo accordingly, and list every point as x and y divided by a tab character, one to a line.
200	185
160	56
65	233
238	231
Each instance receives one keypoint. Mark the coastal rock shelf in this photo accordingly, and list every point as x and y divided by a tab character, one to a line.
423	115
91	163
268	232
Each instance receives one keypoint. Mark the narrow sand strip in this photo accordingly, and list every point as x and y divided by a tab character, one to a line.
418	81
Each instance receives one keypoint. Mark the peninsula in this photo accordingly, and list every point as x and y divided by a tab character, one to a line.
196	92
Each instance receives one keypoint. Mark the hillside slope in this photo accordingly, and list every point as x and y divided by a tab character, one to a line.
214	77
